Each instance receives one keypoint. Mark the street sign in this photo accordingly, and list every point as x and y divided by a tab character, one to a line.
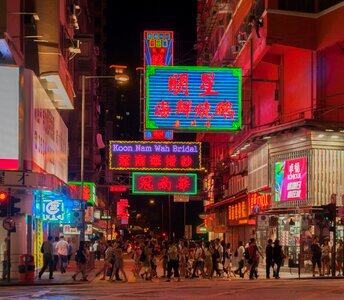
180	198
9	224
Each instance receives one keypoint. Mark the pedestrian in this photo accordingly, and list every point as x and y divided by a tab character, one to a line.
48	257
184	257
81	258
136	258
217	257
96	249
208	260
198	261
316	255
254	258
62	250
4	258
173	262
325	257
119	263
278	256
227	267
239	254
339	258
70	250
268	258
146	261
56	255
107	259
164	259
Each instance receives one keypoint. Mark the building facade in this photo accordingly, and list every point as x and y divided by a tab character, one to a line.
285	162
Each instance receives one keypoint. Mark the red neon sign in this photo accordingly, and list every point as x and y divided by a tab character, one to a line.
258	202
118	188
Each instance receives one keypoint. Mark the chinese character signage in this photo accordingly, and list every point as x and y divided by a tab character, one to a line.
122	211
237	211
158	48
156	135
193	98
155	156
159	183
258	202
291	180
88	194
53	209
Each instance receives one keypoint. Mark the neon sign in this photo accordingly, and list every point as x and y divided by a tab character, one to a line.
53	209
157	156
88	193
160	183
122	211
291	180
193	98
237	211
258	202
158	48
158	135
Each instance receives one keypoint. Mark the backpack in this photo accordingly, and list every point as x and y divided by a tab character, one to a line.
216	253
246	253
142	256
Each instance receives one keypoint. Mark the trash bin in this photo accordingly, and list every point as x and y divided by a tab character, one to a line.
26	268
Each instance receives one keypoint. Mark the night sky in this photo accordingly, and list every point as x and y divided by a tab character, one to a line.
126	22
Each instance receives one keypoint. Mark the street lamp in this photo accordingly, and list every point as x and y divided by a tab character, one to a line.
82	154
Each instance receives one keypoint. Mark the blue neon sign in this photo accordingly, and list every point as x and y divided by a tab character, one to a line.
53	209
193	98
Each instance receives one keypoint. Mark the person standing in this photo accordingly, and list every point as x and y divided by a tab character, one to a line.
173	262
48	257
62	250
339	257
277	258
56	255
96	249
325	257
81	257
70	250
239	253
316	255
268	258
4	259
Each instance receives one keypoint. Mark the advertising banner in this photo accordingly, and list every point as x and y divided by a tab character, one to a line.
291	180
160	183
155	156
193	98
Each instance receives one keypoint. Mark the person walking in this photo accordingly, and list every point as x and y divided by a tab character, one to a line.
62	250
107	259
56	255
239	253
316	255
277	258
325	257
119	263
208	260
96	249
198	260
339	258
70	250
269	258
48	257
227	267
81	258
254	258
173	262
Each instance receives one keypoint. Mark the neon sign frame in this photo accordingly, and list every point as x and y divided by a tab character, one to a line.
89	189
194	156
212	97
174	178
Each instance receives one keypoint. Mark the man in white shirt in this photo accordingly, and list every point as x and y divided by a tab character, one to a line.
62	250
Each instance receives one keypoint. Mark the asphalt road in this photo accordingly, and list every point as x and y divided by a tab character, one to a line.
294	289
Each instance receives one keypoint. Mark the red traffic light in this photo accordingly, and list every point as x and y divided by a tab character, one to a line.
3	196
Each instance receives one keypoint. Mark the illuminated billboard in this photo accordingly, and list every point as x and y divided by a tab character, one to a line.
291	180
9	118
193	98
53	209
158	48
164	183
155	156
88	193
155	135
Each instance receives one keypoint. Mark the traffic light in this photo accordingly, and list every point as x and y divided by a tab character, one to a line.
14	209
3	204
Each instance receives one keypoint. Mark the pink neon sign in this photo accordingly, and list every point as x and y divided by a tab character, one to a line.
291	180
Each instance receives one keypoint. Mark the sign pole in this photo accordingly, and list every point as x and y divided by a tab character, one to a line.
9	205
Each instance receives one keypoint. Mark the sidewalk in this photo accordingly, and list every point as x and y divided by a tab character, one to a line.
59	279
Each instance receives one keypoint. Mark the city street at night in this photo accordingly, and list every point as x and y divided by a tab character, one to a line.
186	289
